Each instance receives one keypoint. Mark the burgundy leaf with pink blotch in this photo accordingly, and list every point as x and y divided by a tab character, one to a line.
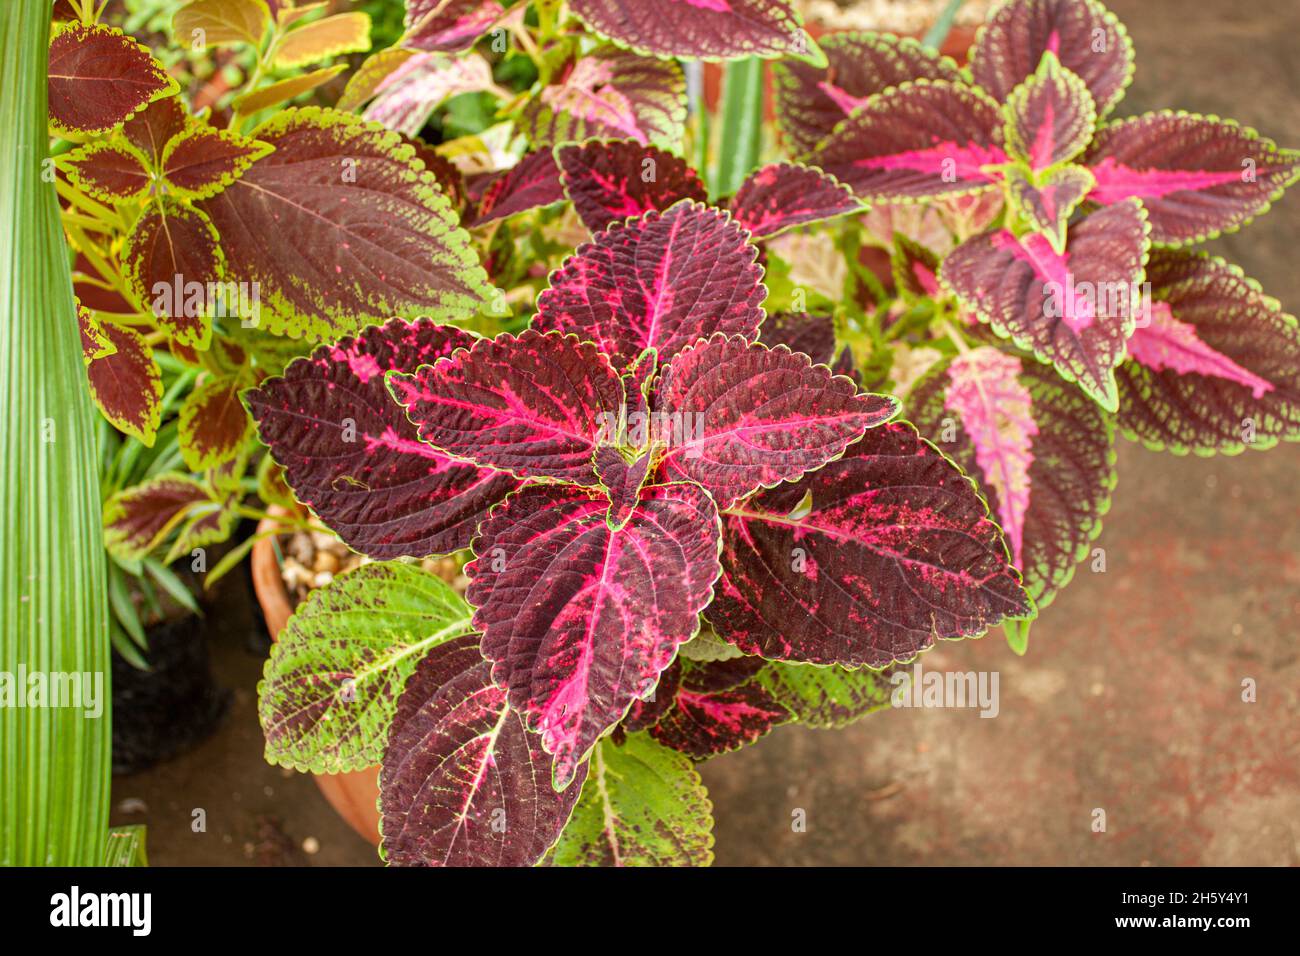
532	182
921	140
719	706
448	26
610	181
458	756
1050	116
661	281
1218	367
700	29
578	618
915	268
1075	310
646	711
782	195
752	417
351	454
1197	176
1086	37
866	561
811	101
1038	436
532	405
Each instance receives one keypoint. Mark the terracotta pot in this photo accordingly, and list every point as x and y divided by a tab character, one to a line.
354	795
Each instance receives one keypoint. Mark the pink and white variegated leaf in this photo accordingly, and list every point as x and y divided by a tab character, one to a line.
661	281
922	140
1048	201
610	93
751	417
1086	37
613	180
350	453
448	26
1050	116
811	101
893	551
1070	474
1197	176
700	29
720	706
783	195
531	183
579	619
1074	310
406	97
457	757
533	405
1218	367
995	409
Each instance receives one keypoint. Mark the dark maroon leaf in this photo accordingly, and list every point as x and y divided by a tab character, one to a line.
533	405
747	417
1085	36
580	619
532	182
721	706
894	551
811	101
622	481
350	453
922	140
463	783
661	281
812	333
99	76
646	711
782	195
610	181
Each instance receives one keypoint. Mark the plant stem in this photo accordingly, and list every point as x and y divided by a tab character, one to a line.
742	126
54	761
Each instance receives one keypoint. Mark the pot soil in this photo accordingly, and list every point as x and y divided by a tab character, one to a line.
285	569
170	708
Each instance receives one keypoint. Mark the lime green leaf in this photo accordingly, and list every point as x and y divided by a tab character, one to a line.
284	90
344	33
220	22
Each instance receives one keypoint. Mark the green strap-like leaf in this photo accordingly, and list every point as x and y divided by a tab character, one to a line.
334	676
642	805
126	846
54	760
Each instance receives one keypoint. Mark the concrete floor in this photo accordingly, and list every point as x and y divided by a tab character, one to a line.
1130	697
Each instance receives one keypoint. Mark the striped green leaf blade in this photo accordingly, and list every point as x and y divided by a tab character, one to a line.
54	761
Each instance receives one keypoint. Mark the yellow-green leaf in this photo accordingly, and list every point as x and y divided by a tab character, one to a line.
286	89
344	33
220	22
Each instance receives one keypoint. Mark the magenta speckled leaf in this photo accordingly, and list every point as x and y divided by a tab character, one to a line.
921	140
811	101
1197	176
894	550
532	405
782	195
580	619
610	93
996	411
1046	202
812	333
752	417
1070	478
1050	116
1075	310
99	76
1218	368
700	29
622	481
462	782
610	181
350	453
719	707
531	183
1085	36
448	26
662	281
